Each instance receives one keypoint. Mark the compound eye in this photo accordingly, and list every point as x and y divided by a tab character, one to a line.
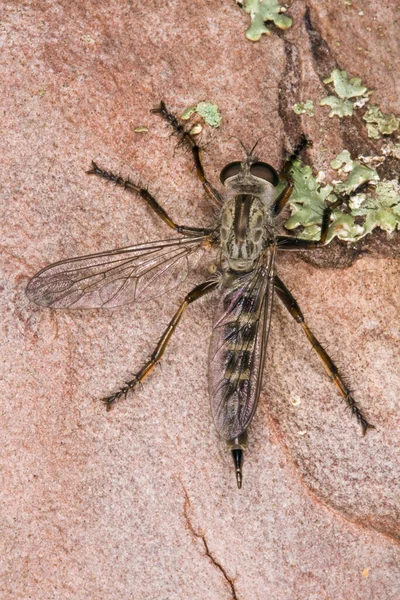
264	171
230	171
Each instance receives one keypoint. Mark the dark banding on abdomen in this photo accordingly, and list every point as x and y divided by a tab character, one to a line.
240	330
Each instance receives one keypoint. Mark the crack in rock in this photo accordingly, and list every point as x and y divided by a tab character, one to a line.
289	85
323	61
352	129
198	534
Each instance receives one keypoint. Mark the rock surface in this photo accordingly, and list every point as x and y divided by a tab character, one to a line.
141	502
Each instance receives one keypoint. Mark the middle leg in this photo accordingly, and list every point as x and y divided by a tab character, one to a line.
287	242
289	301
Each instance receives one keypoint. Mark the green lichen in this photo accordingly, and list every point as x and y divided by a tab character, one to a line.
304	108
391	149
209	112
188	112
379	123
357	173
307	201
344	227
196	129
342	162
381	209
262	11
344	87
350	94
378	205
340	108
206	110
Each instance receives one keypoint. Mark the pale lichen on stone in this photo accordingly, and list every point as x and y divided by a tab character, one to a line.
304	108
207	111
350	94
339	108
378	205
345	87
188	112
391	149
381	209
357	173
379	123
307	201
196	129
262	11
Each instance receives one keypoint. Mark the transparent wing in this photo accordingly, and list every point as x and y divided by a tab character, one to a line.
237	351
117	277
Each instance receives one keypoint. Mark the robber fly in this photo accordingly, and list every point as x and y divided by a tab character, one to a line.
244	235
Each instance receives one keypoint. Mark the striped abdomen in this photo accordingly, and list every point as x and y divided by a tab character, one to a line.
236	353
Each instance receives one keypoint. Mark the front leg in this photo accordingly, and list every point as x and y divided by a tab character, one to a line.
128	185
289	301
283	198
189	140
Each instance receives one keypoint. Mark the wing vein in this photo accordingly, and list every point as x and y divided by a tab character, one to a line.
116	277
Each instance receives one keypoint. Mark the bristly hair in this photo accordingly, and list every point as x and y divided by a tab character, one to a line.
117	180
251	157
186	139
302	143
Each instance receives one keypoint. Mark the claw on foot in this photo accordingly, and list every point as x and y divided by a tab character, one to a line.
365	426
110	400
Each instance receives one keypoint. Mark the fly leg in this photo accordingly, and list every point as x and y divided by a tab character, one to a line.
287	242
198	292
147	197
289	301
283	198
190	141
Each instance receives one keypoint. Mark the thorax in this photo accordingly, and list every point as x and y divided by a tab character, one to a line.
245	228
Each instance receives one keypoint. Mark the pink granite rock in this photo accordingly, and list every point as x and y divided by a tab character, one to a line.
141	502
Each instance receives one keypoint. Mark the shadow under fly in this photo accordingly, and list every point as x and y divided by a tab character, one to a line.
245	283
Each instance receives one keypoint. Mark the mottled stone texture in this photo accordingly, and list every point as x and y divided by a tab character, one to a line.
141	502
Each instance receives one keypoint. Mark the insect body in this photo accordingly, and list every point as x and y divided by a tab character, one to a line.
245	283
